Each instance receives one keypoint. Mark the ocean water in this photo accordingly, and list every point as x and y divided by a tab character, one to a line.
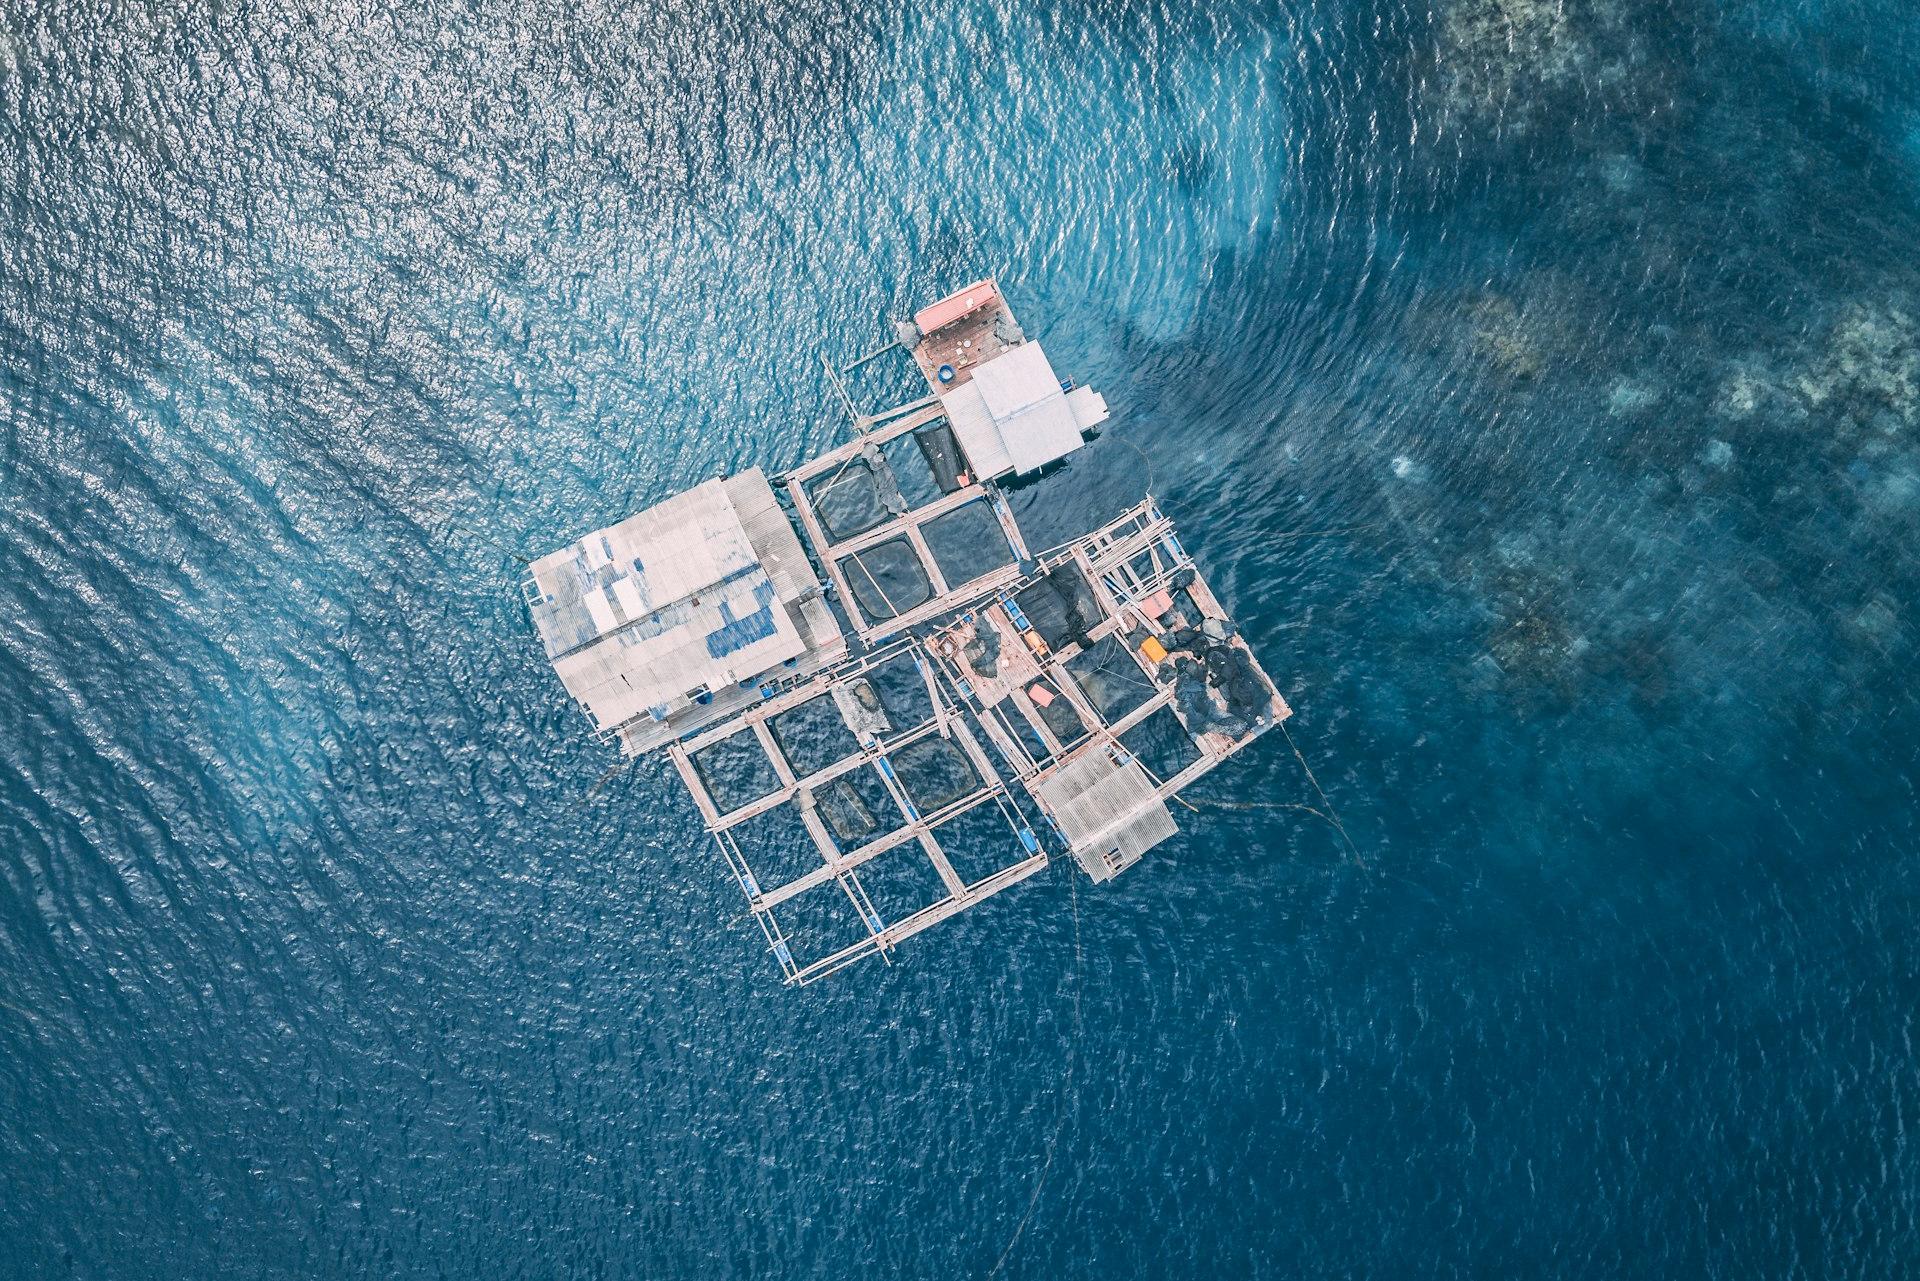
1540	383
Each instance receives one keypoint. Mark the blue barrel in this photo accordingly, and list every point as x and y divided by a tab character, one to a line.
945	373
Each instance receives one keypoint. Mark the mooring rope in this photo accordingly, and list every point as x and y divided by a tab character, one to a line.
607	777
1329	814
1333	815
857	456
1253	805
1060	1124
1143	458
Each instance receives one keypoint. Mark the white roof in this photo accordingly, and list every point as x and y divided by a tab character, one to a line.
1016	379
736	631
1089	407
1102	806
1013	416
1041	433
687	594
667	553
973	427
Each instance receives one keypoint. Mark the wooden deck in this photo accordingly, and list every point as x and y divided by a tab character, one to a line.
837	873
833	555
1126	562
966	344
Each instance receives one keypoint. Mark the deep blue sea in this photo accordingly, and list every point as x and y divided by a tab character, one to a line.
1539	380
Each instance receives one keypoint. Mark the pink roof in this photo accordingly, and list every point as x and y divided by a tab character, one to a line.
955	305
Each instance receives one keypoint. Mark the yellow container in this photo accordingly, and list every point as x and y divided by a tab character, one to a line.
1153	649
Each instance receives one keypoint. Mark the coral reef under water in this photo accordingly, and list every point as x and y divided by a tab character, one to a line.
1503	58
1564	629
1521	329
1868	367
1501	336
1631	397
1839	410
1862	372
1742	392
1560	636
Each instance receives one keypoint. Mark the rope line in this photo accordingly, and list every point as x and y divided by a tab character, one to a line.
1143	458
1253	805
1332	815
607	777
1329	815
857	456
1134	679
876	584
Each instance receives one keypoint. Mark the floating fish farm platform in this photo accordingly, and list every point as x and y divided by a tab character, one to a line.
864	676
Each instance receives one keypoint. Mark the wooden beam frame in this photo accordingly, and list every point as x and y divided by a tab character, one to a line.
943	596
946	718
1123	562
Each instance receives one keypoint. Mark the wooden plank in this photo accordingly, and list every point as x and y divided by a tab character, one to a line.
840	863
938	857
1019	760
772	748
1008	526
695	785
938	605
926	917
928	564
874	848
971	746
846	765
901	524
919	408
817	539
869	915
870	357
823	843
930	411
1161	699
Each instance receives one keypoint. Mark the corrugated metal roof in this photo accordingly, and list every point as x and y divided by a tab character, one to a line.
955	305
1041	433
691	593
667	553
726	634
1089	407
771	535
1012	416
1016	380
1100	806
974	428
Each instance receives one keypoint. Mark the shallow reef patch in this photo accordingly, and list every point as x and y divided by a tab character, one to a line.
1868	366
1504	59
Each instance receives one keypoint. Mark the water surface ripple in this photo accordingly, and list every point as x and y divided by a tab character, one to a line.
1593	330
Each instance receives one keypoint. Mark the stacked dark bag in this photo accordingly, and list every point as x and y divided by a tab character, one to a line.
1204	660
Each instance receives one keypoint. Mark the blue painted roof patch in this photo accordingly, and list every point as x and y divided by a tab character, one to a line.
737	633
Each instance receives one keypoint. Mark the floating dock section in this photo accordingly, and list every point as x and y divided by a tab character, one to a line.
885	706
